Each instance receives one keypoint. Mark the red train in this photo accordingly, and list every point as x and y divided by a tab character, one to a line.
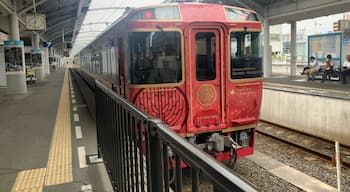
197	67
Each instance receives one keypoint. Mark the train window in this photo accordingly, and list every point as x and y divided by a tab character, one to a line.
155	57
240	15
246	55
98	63
104	63
113	63
159	13
205	56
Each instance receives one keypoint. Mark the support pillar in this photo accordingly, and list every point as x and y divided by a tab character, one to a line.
46	64
293	49
267	64
3	82
38	64
14	27
14	49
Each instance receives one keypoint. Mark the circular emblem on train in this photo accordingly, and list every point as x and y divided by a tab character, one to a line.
168	104
206	95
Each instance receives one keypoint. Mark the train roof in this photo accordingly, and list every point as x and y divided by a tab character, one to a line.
187	12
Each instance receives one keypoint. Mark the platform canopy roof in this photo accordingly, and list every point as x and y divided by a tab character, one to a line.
284	11
63	18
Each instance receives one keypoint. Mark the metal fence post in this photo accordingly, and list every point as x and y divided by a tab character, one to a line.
156	161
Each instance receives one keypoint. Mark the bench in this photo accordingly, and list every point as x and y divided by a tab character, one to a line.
333	76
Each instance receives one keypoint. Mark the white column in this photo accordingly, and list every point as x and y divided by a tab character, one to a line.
46	65
14	27
16	81
36	40
267	64
39	69
3	81
293	49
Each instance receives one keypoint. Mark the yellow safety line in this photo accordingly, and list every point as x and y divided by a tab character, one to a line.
29	180
59	165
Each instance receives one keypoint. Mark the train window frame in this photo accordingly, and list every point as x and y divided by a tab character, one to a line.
208	75
104	63
139	14
112	50
229	11
179	57
250	72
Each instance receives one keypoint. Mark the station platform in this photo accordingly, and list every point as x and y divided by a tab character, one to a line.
333	87
311	107
45	137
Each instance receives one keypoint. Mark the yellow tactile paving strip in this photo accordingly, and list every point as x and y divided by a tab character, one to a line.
30	180
59	165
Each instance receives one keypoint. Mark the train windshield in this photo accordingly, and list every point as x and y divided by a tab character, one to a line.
246	55
155	57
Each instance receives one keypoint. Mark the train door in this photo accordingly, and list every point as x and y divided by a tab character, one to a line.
205	82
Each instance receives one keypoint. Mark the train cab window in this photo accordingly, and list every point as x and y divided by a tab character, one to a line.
246	55
205	56
155	57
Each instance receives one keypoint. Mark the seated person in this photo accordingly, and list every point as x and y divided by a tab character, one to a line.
312	62
314	68
345	70
328	68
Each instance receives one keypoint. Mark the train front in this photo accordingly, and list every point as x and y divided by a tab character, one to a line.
199	73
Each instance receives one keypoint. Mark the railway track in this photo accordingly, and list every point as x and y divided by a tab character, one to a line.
317	146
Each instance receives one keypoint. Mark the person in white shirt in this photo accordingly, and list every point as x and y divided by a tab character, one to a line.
345	70
314	68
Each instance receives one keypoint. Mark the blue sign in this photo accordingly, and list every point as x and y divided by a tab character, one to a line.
347	41
47	44
13	43
36	51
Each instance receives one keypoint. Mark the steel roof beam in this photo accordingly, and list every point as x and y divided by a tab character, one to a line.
10	11
25	10
305	9
105	8
61	11
59	24
60	35
252	5
96	23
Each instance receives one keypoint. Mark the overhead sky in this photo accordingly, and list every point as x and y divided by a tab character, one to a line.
97	21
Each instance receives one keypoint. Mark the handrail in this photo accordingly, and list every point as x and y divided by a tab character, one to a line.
136	151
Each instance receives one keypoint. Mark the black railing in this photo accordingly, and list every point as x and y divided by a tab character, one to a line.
143	154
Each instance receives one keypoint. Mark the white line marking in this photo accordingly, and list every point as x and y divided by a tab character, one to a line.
75	108
78	133
86	188
73	96
73	101
81	156
76	117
